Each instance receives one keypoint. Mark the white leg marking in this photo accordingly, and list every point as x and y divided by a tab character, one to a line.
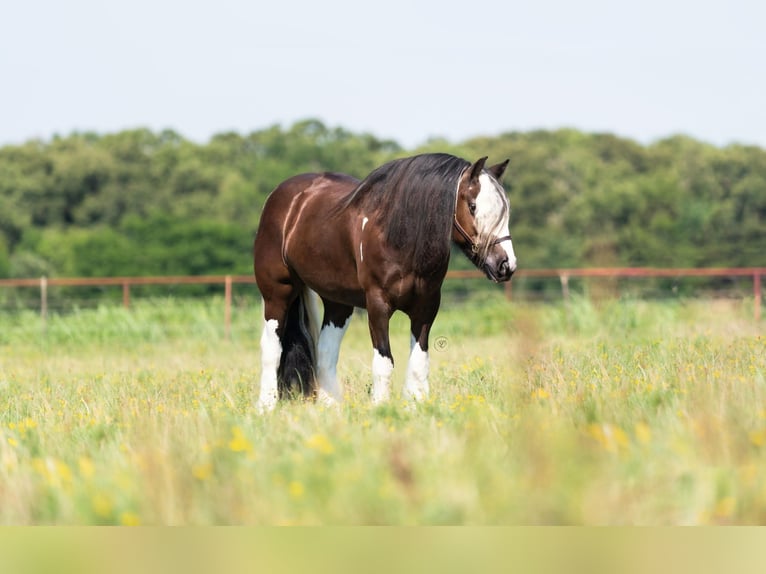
328	349
382	367
416	384
271	351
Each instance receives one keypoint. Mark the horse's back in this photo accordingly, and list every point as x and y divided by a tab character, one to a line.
331	185
304	201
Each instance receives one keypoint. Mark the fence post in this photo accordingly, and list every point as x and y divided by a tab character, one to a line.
757	296
126	294
44	301
565	286
227	308
508	288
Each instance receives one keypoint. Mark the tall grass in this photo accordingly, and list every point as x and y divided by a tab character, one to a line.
625	412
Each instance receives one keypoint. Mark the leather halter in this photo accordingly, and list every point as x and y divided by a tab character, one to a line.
475	246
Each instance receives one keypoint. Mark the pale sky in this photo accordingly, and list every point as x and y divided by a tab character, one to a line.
401	69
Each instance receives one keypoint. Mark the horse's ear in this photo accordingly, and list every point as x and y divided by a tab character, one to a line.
498	170
476	168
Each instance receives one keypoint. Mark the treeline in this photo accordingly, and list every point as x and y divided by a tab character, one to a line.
145	203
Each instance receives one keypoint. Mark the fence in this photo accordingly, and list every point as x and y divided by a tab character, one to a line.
227	281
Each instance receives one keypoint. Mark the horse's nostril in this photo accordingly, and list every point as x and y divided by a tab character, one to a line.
504	269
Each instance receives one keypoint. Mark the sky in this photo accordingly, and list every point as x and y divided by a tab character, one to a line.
407	70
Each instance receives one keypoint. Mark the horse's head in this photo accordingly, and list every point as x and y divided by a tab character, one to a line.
481	220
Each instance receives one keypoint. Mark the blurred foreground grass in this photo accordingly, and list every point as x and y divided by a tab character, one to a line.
625	412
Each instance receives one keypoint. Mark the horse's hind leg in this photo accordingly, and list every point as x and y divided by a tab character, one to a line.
275	308
334	324
271	352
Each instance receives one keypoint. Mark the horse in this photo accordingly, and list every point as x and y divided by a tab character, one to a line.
382	244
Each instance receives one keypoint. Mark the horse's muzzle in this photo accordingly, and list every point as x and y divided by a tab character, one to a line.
501	271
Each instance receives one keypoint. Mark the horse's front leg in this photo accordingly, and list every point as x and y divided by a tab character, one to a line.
416	383
378	316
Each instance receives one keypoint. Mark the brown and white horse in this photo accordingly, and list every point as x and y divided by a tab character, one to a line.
382	244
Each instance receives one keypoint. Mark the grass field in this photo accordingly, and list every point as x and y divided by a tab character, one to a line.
622	412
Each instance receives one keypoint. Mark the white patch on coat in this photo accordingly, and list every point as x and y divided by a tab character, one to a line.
361	249
328	350
416	383
382	367
271	352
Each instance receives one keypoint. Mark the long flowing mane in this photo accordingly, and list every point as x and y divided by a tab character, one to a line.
414	200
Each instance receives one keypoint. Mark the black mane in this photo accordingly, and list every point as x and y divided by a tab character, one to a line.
414	200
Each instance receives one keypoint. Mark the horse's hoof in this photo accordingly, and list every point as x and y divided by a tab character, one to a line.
325	399
265	406
380	398
414	396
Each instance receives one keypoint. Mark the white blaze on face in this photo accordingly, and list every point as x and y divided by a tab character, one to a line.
493	215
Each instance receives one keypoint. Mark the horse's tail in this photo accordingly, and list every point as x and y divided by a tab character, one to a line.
296	372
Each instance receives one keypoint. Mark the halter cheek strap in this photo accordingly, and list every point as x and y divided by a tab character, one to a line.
474	246
464	233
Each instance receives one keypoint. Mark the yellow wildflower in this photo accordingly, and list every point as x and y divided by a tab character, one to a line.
238	442
129	519
296	489
63	471
203	471
643	433
611	438
725	507
102	504
320	443
85	465
758	438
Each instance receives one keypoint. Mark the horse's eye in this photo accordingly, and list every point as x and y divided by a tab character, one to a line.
472	207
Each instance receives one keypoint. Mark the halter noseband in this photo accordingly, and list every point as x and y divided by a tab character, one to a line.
475	246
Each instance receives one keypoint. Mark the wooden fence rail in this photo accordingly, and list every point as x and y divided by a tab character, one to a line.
228	280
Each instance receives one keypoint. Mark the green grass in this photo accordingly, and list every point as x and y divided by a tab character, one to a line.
624	412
